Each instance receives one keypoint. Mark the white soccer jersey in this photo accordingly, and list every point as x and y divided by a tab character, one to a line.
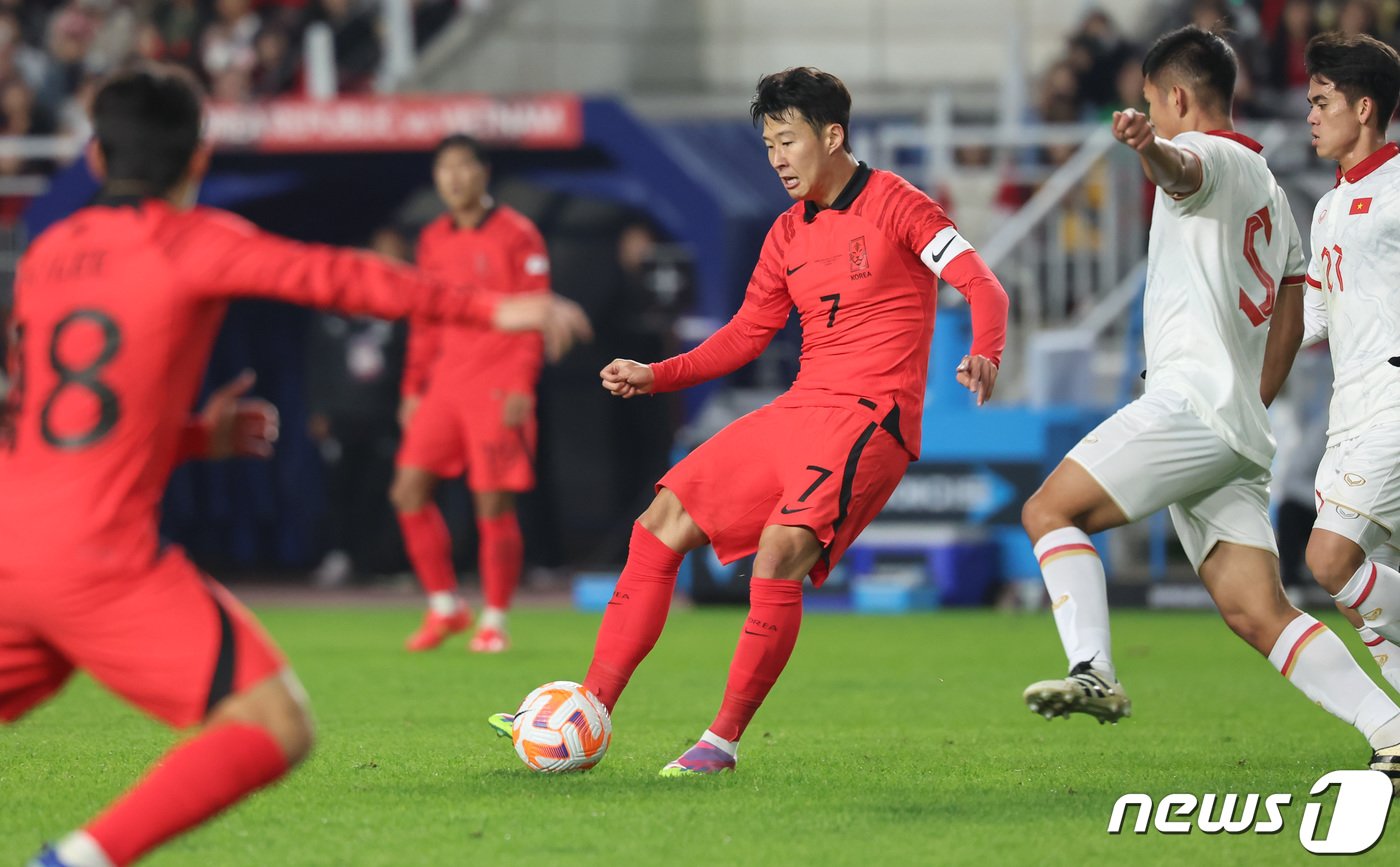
1354	291
1214	264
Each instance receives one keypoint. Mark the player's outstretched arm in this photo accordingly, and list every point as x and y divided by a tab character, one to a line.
1285	336
560	321
1176	170
740	341
224	257
969	274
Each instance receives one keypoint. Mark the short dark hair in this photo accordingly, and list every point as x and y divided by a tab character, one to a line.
819	97
147	123
1202	61
467	143
1359	66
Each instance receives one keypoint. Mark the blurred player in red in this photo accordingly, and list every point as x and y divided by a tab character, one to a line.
115	313
859	256
469	402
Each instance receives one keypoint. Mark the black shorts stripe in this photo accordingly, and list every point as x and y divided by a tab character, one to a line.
221	683
848	478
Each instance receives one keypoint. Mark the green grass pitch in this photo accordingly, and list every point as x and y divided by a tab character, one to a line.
889	741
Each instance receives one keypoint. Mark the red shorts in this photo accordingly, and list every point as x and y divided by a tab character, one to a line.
454	433
168	639
829	470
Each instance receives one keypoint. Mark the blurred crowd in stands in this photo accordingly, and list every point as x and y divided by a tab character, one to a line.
52	52
1101	68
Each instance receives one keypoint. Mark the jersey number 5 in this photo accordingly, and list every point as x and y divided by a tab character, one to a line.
1258	314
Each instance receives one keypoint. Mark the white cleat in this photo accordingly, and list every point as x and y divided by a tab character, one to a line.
1085	691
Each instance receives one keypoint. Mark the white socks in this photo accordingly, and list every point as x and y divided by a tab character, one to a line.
731	747
444	603
80	850
1385	653
1374	593
1074	576
1315	660
493	618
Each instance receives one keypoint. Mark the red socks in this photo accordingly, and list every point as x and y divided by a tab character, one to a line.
191	783
429	548
502	552
635	616
765	644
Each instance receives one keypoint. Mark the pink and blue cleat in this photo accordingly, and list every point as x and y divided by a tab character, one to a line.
703	758
47	858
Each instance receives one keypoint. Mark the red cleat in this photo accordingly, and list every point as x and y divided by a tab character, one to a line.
436	628
489	640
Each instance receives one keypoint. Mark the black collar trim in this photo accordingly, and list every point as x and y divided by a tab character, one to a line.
854	187
119	200
486	215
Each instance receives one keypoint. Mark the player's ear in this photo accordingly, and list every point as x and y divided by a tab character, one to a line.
199	161
1365	109
835	138
1181	100
96	161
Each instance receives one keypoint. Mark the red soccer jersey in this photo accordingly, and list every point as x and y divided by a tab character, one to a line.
116	309
864	297
504	253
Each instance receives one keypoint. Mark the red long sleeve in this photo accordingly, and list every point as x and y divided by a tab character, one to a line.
194	441
728	349
971	277
224	256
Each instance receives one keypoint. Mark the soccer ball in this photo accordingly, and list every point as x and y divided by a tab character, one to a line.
561	727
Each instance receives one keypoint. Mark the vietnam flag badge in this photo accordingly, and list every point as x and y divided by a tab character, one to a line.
1360	206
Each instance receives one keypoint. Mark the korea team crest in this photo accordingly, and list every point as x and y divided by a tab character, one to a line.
860	257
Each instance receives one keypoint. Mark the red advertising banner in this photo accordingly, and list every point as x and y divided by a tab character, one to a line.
401	123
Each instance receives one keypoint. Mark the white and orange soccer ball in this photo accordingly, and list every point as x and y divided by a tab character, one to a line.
561	727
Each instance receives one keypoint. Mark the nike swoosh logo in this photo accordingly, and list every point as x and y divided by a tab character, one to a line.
792	271
786	511
939	254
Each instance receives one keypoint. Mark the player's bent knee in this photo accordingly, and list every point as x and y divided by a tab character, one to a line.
410	492
667	520
1258	628
493	504
278	705
1039	515
1332	561
786	552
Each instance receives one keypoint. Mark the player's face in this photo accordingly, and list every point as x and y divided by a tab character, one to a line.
460	179
796	153
1332	120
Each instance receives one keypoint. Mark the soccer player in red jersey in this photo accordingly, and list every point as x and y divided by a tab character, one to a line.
469	402
859	255
116	310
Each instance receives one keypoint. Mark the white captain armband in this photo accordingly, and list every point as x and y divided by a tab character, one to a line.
946	246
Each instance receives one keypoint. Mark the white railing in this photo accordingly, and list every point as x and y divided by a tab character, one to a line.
1079	234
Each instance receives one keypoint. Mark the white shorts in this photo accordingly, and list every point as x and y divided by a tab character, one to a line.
1156	452
1358	487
